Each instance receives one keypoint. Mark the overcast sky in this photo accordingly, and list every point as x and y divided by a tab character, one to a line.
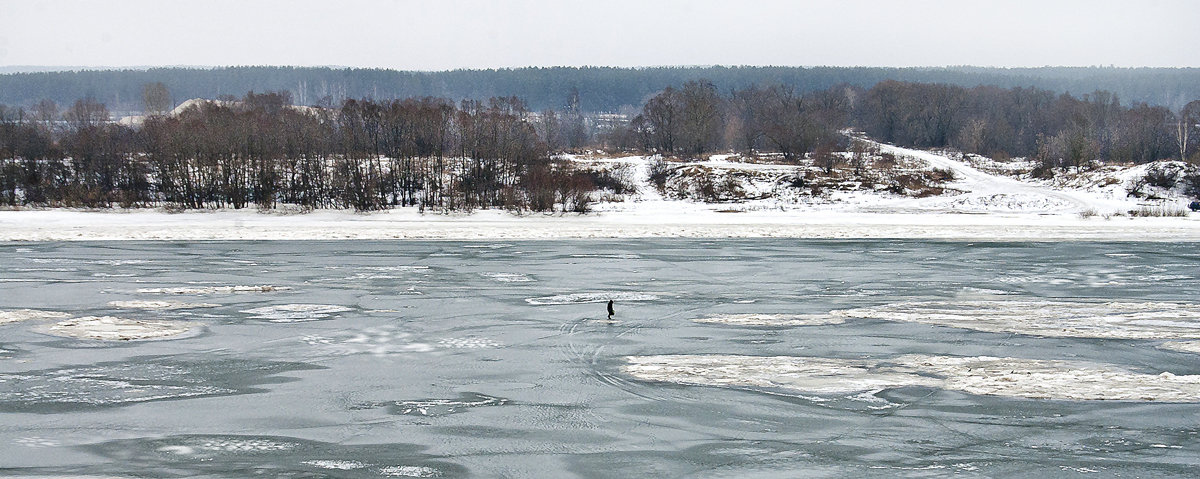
447	34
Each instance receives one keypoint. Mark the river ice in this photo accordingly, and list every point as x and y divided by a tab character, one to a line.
725	358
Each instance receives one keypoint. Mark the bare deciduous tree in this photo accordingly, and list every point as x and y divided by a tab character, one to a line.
156	100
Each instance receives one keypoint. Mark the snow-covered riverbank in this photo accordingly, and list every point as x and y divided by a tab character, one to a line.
688	222
979	206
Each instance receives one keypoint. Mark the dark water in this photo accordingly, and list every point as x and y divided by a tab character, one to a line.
436	364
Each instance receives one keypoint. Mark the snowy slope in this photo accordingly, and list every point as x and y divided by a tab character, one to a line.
989	193
973	191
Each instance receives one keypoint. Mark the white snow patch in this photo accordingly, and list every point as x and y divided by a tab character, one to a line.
646	219
1076	319
778	320
574	298
109	328
15	315
294	313
1011	377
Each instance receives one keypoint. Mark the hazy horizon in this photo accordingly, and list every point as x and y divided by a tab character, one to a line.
9	69
475	34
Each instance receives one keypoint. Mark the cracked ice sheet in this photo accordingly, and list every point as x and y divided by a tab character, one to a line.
771	320
981	375
1067	319
109	328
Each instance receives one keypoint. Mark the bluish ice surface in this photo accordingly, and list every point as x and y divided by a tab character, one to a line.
453	359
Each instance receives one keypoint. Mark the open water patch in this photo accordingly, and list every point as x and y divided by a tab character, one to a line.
980	375
600	297
1070	319
138	380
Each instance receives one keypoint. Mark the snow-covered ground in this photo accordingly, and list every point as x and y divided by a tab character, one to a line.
979	205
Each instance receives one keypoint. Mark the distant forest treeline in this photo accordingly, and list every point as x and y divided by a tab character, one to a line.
600	88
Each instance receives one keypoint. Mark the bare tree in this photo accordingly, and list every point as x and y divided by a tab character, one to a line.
155	98
663	115
45	113
86	113
1187	121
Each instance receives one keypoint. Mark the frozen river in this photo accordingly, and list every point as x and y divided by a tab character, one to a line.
727	358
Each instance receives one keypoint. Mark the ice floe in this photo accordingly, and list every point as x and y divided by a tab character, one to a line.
1182	346
228	455
803	374
1114	319
401	268
606	255
488	246
246	445
387	471
109	328
378	341
266	288
771	320
111	384
37	442
335	464
159	305
574	298
468	343
229	445
437	407
15	315
507	277
82	388
1011	377
409	471
295	313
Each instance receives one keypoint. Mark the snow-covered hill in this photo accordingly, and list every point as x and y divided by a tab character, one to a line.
771	187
